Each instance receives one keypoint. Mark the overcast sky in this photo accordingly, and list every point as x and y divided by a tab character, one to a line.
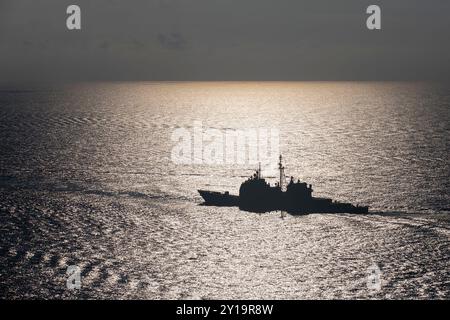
224	40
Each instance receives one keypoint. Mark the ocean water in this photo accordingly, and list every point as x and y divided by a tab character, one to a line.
87	180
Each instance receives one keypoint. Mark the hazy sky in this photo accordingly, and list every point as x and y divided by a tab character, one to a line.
224	40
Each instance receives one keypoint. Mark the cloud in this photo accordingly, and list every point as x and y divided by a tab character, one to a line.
172	41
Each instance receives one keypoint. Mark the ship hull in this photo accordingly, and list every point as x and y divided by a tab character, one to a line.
316	205
213	198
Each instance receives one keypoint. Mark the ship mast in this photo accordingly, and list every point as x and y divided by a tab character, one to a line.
259	170
282	177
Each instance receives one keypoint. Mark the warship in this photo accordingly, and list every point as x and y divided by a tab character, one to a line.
295	197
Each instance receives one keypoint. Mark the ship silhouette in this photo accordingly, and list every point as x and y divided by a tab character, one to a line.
257	195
